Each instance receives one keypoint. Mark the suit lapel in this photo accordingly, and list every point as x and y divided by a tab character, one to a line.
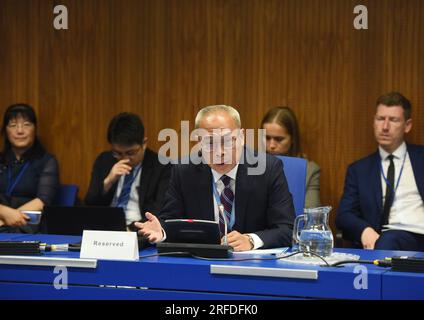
375	174
144	182
417	164
241	196
204	192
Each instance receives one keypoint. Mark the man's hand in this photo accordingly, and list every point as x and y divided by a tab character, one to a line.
240	242
151	229
369	237
14	218
119	169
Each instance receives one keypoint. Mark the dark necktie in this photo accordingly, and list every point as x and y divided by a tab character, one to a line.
227	199
390	187
124	197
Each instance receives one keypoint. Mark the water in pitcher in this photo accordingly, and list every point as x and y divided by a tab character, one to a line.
316	241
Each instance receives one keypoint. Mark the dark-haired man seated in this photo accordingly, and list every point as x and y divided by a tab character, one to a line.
129	175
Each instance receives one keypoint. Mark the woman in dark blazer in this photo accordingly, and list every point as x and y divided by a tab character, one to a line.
29	176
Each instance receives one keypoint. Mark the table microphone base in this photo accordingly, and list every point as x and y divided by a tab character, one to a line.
195	249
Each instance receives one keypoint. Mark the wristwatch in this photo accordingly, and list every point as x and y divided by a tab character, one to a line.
252	243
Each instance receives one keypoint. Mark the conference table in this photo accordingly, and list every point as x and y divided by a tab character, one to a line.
185	278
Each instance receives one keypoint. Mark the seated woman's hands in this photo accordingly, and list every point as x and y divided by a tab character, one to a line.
13	217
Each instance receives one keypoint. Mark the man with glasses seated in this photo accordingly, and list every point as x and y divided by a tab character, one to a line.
219	184
130	175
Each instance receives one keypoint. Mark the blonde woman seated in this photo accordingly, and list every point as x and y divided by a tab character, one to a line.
282	138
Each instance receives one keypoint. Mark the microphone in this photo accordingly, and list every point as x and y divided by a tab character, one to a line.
221	212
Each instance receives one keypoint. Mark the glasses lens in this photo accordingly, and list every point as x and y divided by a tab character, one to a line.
228	142
15	126
126	154
218	142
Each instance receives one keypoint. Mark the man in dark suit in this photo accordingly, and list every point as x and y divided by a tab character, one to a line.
130	175
258	209
382	204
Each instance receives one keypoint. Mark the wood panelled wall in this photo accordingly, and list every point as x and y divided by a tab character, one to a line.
166	58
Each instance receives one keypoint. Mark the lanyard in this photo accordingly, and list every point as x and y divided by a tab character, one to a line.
130	182
135	175
12	184
218	202
398	179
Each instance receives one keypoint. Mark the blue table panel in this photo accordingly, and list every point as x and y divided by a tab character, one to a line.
403	286
192	275
26	291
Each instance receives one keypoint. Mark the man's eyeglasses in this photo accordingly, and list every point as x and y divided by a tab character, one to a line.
126	154
218	142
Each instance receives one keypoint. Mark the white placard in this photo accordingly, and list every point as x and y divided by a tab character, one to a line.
109	245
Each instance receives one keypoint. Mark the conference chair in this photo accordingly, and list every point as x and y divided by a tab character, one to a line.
295	171
66	195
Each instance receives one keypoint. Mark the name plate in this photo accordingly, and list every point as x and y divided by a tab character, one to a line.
109	245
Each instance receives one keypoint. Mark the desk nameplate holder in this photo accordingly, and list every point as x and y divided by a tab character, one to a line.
49	262
265	272
109	245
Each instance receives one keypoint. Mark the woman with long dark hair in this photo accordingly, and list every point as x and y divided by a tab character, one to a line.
29	176
283	138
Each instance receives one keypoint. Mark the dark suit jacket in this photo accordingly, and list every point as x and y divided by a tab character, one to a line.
154	180
361	203
263	203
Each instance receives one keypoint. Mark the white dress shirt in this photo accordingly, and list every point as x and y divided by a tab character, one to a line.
407	210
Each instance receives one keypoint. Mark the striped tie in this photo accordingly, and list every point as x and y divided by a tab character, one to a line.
227	199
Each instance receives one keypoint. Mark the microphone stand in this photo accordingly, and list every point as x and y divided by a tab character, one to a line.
221	212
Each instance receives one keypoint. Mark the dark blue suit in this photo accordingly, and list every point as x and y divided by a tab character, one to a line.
263	203
361	203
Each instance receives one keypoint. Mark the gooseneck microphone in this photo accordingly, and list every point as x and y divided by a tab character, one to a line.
221	212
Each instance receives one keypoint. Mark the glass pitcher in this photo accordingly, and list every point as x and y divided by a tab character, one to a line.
316	235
